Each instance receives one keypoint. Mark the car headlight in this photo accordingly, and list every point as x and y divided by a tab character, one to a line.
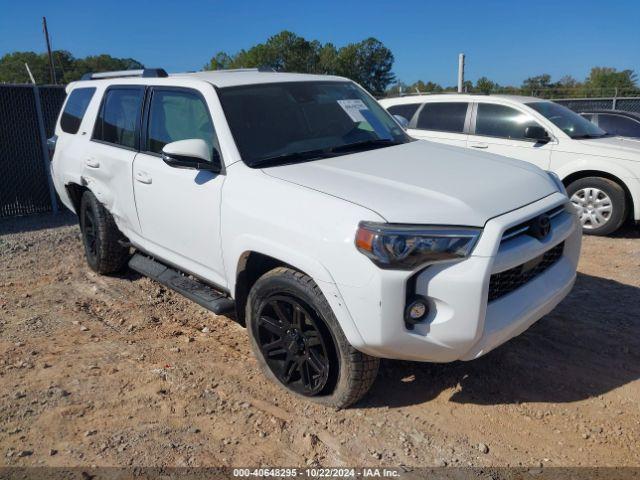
406	247
558	182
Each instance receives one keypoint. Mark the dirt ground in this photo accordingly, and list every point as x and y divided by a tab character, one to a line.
117	371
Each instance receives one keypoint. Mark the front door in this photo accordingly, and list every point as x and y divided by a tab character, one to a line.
179	209
500	129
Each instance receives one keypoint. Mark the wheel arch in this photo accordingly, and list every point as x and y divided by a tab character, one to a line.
253	263
251	266
75	192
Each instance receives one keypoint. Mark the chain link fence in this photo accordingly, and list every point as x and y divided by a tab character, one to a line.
24	183
629	104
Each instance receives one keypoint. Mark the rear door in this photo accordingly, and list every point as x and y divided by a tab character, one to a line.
444	122
108	162
179	209
500	129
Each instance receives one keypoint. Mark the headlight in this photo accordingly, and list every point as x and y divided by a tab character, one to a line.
558	182
406	247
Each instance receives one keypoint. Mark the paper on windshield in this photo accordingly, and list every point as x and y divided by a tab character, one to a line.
354	109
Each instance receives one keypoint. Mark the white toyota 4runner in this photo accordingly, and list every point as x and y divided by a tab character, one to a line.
298	201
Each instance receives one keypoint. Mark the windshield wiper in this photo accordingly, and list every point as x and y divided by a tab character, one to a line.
379	142
287	158
589	136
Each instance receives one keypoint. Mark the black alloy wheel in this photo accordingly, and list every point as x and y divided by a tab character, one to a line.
295	346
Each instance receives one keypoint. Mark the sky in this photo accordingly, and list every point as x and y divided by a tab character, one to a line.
506	41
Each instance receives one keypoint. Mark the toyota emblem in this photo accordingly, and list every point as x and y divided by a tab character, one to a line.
540	226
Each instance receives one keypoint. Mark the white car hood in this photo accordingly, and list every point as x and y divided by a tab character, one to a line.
425	183
613	147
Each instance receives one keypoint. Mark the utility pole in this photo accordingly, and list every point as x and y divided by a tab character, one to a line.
46	36
460	72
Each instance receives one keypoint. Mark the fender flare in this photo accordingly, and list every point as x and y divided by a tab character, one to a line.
304	263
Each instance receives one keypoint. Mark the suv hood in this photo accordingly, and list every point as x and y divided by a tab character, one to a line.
613	147
425	183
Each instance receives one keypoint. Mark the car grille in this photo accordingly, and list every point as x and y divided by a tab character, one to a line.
523	228
506	282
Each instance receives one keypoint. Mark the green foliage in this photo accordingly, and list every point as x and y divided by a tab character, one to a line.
484	85
537	82
12	69
67	68
368	62
607	77
602	81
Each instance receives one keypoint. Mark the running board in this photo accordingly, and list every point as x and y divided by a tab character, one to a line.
193	289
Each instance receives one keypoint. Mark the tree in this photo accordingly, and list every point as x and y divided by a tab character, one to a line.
538	82
327	58
67	67
484	85
368	62
12	69
100	63
219	61
610	78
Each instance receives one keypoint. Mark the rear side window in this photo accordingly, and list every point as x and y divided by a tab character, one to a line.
178	115
75	109
119	116
443	117
617	125
407	110
502	122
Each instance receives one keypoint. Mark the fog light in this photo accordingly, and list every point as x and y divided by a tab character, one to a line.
416	311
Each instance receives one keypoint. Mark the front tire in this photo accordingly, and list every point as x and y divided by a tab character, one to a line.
601	204
299	343
103	242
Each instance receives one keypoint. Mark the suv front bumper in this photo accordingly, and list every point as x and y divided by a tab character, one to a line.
462	323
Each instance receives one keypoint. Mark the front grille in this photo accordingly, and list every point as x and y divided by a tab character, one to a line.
524	227
506	282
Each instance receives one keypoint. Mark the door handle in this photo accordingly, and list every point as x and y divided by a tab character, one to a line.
143	177
479	145
92	163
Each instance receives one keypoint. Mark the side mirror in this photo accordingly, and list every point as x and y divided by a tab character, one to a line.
193	154
537	133
404	123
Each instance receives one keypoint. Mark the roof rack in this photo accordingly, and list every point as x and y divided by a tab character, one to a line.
251	69
145	73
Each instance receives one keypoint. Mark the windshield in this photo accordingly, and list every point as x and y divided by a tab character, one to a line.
278	123
567	120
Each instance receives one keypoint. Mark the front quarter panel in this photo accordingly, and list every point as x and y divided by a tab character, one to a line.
309	230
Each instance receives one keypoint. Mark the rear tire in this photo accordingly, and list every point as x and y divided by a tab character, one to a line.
299	344
103	242
601	204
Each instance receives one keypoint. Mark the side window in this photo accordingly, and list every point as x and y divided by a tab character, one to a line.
618	125
588	116
119	116
443	117
407	110
503	122
75	108
178	115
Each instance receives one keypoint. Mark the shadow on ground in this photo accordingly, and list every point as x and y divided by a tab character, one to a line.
588	346
37	222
